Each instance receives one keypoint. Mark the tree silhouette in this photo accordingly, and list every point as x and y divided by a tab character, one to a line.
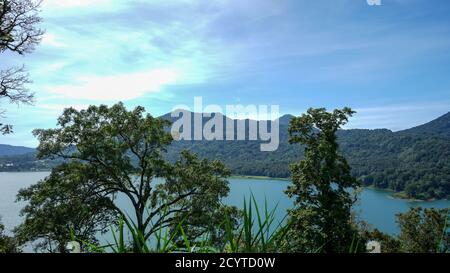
19	33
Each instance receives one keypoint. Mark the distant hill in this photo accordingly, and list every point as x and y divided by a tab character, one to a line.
8	150
437	127
414	161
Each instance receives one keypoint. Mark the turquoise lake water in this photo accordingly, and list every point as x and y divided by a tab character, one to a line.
375	206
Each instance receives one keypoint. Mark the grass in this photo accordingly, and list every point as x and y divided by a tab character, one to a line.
261	236
258	232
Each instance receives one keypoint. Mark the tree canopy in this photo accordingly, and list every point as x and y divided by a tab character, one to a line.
425	230
421	231
112	153
321	182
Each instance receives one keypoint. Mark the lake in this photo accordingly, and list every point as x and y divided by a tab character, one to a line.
375	206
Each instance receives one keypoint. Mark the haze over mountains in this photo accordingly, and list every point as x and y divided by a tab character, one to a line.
415	161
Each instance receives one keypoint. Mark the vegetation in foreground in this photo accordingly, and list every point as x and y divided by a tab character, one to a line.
110	152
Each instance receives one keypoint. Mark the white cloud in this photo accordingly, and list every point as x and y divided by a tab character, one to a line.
60	107
118	88
73	3
50	39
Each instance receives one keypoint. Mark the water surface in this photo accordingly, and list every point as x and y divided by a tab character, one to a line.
375	206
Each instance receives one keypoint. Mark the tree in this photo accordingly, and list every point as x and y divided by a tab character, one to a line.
424	230
112	152
205	216
62	206
7	244
421	231
321	218
18	34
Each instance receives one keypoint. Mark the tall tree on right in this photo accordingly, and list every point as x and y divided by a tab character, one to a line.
321	219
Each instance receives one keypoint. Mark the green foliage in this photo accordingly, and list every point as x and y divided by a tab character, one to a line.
256	232
104	152
205	212
438	127
321	182
26	163
109	151
60	204
425	230
418	165
8	244
264	236
415	162
421	231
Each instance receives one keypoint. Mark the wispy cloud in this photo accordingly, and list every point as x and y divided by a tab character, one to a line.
49	4
50	39
118	88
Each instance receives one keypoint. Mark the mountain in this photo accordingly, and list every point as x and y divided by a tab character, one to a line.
415	162
437	127
284	120
8	150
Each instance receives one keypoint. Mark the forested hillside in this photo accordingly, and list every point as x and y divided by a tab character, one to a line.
415	161
8	150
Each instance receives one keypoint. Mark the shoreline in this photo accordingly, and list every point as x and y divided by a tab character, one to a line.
392	194
256	177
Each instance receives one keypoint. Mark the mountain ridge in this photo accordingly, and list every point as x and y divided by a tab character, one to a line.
415	161
284	120
8	150
438	126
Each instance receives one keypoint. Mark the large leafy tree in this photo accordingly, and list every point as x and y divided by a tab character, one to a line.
62	206
111	152
19	33
321	219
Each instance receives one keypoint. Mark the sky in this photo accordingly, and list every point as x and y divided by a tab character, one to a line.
391	63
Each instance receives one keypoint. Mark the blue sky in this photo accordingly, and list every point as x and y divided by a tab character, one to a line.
391	62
